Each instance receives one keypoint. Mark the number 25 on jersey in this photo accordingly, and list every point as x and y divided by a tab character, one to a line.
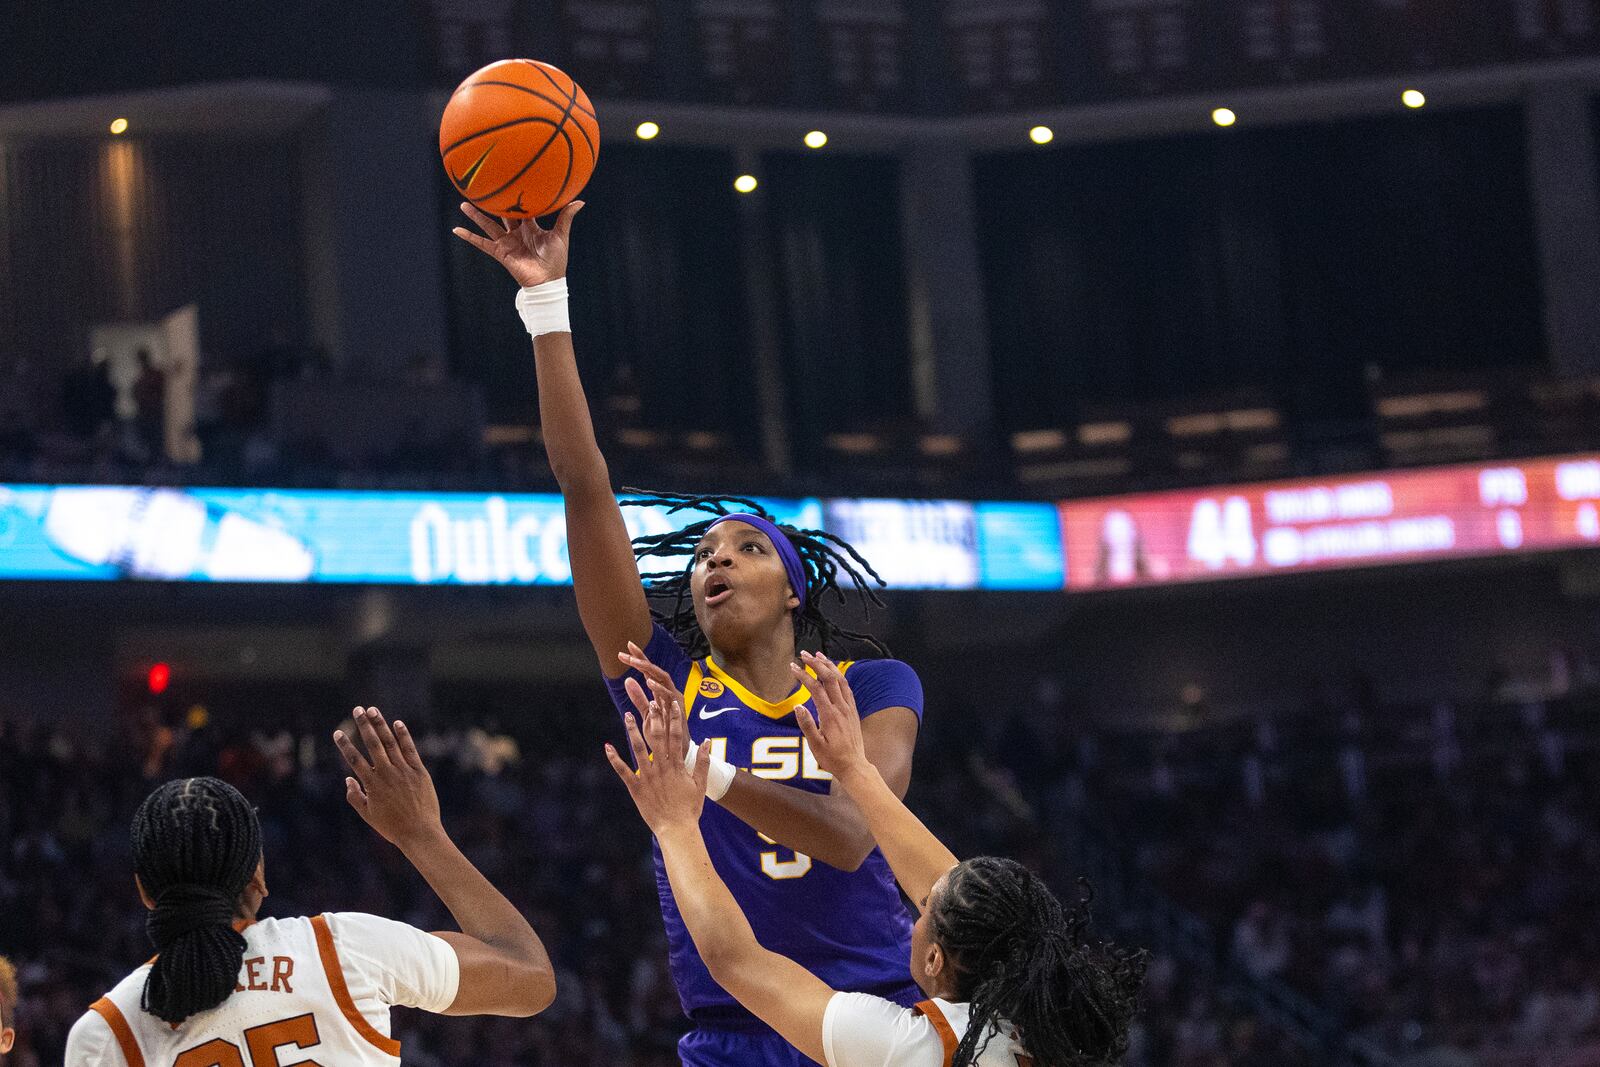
262	1041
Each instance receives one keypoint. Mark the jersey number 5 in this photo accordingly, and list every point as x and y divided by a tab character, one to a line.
776	758
262	1041
783	870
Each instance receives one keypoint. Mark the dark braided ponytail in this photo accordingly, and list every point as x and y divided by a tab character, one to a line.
827	560
196	844
1021	959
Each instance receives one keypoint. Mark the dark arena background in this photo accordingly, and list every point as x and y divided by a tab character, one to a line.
1216	384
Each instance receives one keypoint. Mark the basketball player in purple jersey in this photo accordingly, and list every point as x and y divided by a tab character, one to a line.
1011	977
798	856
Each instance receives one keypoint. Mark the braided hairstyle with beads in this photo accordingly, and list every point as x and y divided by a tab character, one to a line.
1022	959
828	561
196	845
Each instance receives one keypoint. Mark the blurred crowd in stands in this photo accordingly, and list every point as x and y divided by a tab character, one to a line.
1427	874
288	417
109	425
1423	876
537	810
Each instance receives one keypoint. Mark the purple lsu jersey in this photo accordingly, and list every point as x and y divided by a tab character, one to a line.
850	929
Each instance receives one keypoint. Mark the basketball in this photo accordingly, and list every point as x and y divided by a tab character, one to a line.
519	139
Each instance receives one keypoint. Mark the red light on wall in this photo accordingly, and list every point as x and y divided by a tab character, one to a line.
160	675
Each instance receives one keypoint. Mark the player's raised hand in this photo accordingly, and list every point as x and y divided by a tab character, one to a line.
529	252
667	793
835	732
662	688
390	787
665	693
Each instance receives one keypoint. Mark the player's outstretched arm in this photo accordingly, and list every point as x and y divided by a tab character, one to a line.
825	826
611	600
916	856
669	796
504	967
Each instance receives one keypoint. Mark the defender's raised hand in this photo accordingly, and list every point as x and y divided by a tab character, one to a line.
532	254
720	774
667	794
663	689
835	733
390	788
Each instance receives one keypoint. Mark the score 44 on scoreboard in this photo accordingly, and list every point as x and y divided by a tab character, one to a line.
1354	521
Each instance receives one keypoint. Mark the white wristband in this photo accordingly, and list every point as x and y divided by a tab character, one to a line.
544	308
719	776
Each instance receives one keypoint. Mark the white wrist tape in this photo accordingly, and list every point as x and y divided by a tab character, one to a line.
719	776
544	308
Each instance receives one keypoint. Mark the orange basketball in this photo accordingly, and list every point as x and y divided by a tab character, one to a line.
519	139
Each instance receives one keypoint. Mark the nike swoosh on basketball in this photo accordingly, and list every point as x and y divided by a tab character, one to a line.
712	713
464	182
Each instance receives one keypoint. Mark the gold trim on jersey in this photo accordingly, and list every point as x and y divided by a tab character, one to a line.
778	710
691	689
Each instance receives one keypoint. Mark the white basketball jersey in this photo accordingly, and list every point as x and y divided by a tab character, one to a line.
861	1030
310	990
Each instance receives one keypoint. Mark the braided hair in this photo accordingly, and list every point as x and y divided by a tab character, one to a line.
828	560
196	845
1022	959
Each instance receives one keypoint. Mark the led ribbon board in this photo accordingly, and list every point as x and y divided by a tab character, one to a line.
103	533
68	532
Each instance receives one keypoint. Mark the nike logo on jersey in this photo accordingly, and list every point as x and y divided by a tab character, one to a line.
712	713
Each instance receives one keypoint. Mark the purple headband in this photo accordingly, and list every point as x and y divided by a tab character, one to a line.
785	548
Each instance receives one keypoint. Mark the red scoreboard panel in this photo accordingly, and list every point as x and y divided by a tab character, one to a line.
1326	524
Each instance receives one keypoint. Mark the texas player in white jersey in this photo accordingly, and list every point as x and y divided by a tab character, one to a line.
229	990
1010	979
